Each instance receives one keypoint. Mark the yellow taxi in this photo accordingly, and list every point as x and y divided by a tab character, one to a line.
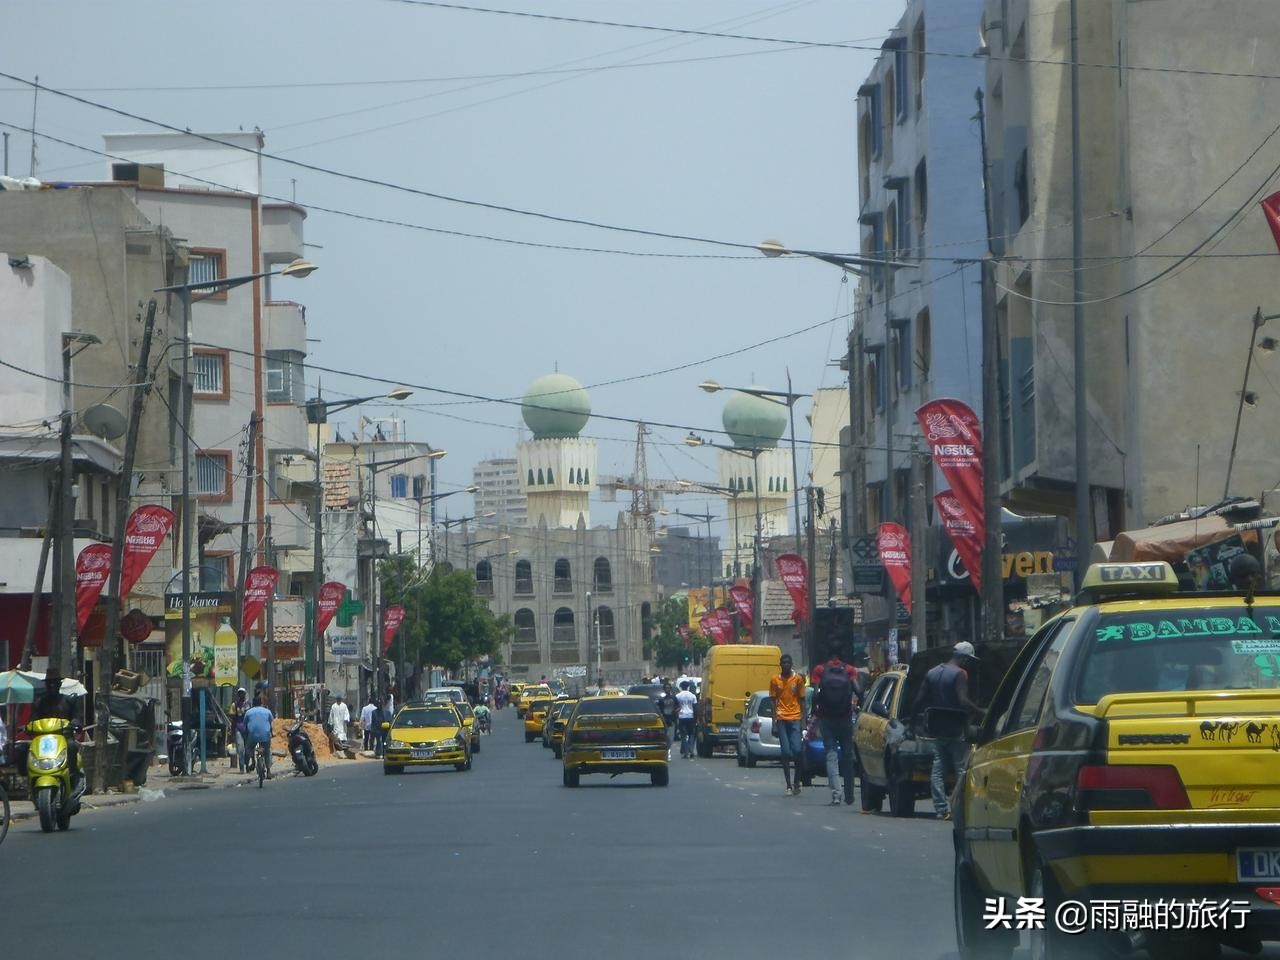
615	735
469	721
529	693
426	735
1129	754
888	761
557	718
535	716
513	690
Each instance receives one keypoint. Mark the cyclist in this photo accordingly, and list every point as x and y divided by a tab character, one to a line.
257	721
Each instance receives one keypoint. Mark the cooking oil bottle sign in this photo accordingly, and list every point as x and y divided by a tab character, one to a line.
225	654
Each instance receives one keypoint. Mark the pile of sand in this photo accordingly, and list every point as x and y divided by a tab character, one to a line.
319	739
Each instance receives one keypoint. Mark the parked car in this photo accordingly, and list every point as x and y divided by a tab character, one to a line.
756	739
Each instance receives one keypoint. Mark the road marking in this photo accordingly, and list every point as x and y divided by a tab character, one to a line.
826	827
796	813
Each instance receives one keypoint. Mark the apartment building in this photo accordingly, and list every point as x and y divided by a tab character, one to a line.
500	493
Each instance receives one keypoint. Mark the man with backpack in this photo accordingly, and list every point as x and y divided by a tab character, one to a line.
833	703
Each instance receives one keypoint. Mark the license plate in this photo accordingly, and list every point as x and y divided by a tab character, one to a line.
617	754
1258	863
728	728
423	754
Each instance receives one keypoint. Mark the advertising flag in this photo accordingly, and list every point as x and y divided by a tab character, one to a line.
955	442
795	577
963	533
92	567
1271	208
331	595
392	617
741	597
895	553
259	584
144	531
724	621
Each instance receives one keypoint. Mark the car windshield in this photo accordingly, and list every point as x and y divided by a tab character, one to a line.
464	709
539	705
429	717
1204	648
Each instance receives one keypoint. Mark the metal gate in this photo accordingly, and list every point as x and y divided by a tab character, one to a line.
151	662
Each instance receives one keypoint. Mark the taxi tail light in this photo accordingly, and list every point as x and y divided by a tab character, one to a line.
1269	893
652	735
1131	787
755	726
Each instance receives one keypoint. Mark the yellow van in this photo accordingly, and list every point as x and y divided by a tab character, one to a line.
733	671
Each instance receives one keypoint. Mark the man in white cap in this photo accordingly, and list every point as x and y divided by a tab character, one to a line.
946	687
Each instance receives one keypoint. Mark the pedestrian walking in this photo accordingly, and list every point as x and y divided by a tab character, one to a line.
834	681
366	721
339	717
787	690
388	714
238	739
685	704
668	707
946	687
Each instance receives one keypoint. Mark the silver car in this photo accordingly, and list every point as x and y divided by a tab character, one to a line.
756	739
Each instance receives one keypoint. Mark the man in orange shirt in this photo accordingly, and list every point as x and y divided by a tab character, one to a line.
787	690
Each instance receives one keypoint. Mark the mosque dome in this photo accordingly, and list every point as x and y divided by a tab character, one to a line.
556	406
753	421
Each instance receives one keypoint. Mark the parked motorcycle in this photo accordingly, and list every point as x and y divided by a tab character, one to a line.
176	747
304	755
53	788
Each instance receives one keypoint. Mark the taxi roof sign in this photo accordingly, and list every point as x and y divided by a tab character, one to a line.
1130	578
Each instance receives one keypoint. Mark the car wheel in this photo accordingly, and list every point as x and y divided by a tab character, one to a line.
902	794
1048	942
571	778
742	761
705	749
389	769
528	738
475	746
974	940
557	752
660	778
751	758
872	796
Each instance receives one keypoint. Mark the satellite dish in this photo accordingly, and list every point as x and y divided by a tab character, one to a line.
105	421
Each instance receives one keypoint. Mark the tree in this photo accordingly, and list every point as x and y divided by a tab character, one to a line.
670	649
445	623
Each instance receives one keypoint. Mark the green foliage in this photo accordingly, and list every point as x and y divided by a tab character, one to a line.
445	623
669	648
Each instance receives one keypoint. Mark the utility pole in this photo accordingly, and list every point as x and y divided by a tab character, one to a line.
317	549
271	624
65	609
811	614
104	662
919	538
250	461
992	593
1084	525
831	562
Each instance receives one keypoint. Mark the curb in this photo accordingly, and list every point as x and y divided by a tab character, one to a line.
89	802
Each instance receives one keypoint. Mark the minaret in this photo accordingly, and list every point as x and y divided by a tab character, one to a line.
754	424
556	466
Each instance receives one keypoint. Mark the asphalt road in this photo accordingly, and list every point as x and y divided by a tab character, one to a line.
498	862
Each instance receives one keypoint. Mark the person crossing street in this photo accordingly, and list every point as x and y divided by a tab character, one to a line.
787	690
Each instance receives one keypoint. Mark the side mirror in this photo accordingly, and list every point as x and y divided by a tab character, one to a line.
738	717
385	725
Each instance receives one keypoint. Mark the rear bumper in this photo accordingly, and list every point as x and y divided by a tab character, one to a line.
1176	862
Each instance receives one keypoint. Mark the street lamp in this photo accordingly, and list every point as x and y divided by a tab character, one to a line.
694	440
702	518
447	523
318	410
205	289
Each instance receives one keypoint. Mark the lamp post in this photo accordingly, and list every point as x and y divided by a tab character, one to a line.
318	410
471	488
733	495
694	440
701	518
447	523
189	293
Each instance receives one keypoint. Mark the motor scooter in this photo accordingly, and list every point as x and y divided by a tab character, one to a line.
176	747
54	789
304	755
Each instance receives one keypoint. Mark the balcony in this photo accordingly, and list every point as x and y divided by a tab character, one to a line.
282	231
285	326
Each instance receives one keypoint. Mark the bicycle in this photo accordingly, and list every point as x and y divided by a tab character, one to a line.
260	761
4	812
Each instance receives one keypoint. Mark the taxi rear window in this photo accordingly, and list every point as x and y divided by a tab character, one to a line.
1178	649
619	706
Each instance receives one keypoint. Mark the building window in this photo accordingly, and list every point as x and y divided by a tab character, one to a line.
603	576
902	247
213	475
563	630
563	577
399	485
531	476
1022	186
284	376
540	481
484	578
419	487
903	359
216	573
922	194
877	121
604	626
551	478
204	265
917	48
524	578
924	343
526	626
902	79
209	379
891	95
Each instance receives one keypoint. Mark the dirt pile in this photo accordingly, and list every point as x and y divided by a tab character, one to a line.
319	739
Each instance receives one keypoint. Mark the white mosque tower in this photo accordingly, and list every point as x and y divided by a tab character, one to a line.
754	424
556	466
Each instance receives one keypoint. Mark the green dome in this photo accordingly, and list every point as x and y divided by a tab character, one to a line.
753	421
556	406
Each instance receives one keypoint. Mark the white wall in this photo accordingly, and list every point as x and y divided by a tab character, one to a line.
35	308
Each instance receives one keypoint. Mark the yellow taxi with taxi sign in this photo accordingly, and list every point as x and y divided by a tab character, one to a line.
1129	753
535	717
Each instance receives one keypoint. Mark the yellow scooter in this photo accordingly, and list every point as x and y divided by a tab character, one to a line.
54	791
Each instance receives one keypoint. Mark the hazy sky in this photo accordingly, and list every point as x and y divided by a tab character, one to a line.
757	143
